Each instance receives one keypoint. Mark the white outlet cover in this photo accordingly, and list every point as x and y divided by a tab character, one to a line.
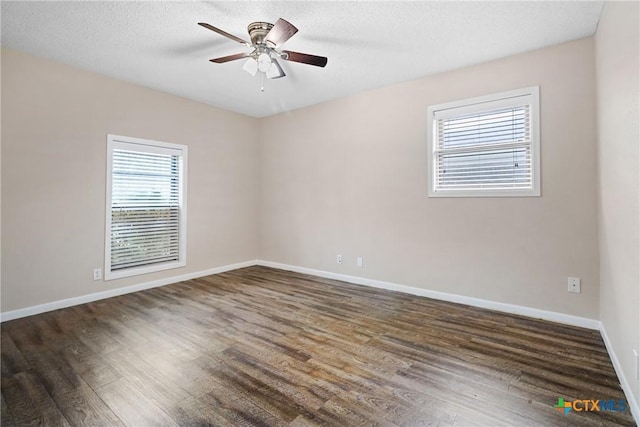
574	285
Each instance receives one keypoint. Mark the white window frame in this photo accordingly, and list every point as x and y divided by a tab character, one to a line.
145	145
479	104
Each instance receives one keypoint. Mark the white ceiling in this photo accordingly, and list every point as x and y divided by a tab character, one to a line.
369	44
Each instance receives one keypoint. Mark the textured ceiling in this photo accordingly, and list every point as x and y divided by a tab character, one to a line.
369	44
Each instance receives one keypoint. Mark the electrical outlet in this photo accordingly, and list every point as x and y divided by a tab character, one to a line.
574	285
359	261
339	259
97	273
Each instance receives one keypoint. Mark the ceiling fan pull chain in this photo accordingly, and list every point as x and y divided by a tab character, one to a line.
262	82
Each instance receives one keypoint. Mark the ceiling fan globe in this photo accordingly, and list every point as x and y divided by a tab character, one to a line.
264	62
251	66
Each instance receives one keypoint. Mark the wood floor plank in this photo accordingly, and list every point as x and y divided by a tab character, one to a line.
349	412
12	360
30	403
151	382
96	338
132	406
238	410
94	370
262	383
82	407
260	346
6	420
194	412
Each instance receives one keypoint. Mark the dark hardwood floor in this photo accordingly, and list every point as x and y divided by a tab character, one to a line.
260	346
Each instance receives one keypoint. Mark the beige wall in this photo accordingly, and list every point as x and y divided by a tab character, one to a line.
618	90
349	177
55	121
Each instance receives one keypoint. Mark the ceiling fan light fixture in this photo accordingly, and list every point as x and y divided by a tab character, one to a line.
264	62
275	71
251	66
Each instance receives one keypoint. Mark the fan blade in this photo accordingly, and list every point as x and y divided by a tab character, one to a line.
275	72
280	33
224	59
224	33
304	58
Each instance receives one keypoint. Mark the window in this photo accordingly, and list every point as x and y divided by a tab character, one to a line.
146	206
486	147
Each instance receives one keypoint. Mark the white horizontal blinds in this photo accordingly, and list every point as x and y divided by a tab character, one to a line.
145	207
484	146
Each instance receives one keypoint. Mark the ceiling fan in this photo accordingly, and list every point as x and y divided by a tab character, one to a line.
266	40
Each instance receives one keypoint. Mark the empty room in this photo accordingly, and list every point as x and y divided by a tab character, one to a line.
336	213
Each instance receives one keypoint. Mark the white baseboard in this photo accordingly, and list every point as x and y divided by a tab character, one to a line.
461	299
55	305
553	316
626	387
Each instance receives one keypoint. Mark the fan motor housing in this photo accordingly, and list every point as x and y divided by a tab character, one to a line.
258	31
